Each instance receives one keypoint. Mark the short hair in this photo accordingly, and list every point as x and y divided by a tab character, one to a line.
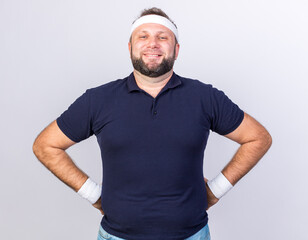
155	11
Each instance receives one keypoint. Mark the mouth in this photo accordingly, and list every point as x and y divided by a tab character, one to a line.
151	55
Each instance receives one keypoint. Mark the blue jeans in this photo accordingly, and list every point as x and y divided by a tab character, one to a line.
203	234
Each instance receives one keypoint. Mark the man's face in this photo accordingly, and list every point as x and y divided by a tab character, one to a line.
153	49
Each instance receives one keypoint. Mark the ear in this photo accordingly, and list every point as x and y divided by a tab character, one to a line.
129	46
177	49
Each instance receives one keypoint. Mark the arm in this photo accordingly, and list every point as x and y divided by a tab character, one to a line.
49	147
255	141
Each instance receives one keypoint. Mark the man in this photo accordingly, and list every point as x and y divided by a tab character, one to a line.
152	128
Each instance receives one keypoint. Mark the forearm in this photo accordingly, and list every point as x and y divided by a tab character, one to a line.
62	166
246	157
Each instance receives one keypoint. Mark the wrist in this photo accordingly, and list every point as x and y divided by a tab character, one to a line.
90	190
219	185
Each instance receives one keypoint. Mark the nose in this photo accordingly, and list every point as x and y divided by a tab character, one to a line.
153	42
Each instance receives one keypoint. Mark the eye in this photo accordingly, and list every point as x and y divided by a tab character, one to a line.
163	38
142	36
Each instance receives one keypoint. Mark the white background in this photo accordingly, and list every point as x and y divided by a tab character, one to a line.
255	51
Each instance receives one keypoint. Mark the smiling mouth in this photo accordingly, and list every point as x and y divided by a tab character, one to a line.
152	55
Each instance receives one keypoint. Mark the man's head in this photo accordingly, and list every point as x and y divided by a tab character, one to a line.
153	43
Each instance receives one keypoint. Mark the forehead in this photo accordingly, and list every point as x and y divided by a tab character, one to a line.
152	28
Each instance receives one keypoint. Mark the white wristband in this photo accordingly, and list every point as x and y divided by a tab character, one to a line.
219	185
90	191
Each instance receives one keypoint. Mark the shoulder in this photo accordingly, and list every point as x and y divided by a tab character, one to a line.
110	89
196	85
202	87
107	87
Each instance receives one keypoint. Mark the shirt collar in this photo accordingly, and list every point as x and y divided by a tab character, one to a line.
172	83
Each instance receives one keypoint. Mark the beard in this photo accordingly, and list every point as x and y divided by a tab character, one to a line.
159	69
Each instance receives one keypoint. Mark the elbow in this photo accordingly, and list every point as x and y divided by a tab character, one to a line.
37	148
270	140
42	153
266	140
45	152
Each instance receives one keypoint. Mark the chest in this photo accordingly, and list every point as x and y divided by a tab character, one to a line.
148	122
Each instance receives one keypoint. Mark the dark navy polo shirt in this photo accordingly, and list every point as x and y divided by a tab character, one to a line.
152	151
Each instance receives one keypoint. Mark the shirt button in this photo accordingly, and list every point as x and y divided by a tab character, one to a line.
155	112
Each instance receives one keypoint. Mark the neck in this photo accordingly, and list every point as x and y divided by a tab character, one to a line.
150	83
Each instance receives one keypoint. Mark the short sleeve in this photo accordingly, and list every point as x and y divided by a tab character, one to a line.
226	115
75	122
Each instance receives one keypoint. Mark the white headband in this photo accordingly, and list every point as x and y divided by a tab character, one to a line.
155	19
